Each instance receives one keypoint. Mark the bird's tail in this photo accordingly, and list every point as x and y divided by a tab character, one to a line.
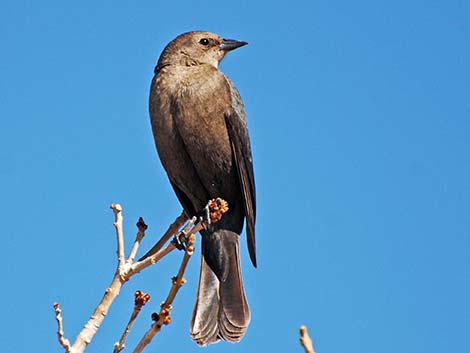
221	310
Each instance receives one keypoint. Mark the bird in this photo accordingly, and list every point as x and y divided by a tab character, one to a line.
201	135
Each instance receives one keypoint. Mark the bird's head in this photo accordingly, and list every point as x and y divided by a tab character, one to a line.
195	48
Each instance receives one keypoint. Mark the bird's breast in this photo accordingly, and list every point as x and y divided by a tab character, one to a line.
189	110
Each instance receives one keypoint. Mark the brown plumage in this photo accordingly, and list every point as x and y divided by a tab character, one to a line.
202	139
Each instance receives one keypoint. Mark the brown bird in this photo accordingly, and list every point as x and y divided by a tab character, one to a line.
201	134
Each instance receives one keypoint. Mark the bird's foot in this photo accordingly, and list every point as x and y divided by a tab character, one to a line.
180	240
214	211
204	216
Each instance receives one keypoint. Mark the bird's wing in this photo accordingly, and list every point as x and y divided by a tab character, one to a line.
184	200
240	141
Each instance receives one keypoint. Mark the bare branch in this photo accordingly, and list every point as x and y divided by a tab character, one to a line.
120	277
91	327
126	269
305	340
179	280
117	209
154	257
151	260
163	318
172	230
142	227
141	299
64	342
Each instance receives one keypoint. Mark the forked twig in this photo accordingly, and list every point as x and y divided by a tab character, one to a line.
172	230
127	268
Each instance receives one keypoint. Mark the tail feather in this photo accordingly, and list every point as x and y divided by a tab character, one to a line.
205	315
221	310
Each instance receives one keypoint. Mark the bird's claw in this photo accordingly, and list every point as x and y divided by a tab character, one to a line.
205	217
210	214
180	240
216	208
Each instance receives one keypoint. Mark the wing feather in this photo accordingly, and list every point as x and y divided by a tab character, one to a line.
240	141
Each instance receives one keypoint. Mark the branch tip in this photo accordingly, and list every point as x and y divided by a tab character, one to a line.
64	342
305	340
116	207
141	226
141	298
217	208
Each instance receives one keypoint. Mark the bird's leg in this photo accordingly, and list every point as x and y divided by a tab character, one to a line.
216	208
212	213
205	216
178	240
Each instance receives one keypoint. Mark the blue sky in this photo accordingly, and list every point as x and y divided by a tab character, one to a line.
359	120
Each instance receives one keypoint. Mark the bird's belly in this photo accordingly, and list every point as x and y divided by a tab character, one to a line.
197	161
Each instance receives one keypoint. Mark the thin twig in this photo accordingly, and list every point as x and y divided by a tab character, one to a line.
172	230
178	281
142	227
141	299
147	261
120	277
305	340
126	269
117	209
163	318
64	342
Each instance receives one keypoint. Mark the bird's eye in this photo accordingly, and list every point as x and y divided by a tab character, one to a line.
204	41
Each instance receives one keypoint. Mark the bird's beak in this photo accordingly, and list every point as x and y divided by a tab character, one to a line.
230	44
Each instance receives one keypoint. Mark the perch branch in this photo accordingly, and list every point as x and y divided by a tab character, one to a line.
149	260
305	340
172	230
